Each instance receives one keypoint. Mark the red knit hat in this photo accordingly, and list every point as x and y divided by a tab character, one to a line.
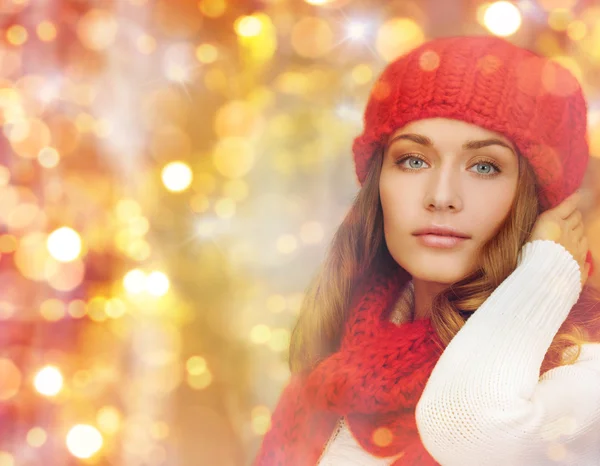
487	81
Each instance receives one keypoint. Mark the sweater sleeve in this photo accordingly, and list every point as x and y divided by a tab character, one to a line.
485	404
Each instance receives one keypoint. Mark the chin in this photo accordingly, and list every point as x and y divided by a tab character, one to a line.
435	277
435	269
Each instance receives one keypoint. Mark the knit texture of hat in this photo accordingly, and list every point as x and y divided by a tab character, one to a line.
487	81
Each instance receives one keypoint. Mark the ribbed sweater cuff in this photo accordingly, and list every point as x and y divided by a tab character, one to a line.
550	283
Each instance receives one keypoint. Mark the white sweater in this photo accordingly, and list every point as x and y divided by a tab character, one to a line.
484	403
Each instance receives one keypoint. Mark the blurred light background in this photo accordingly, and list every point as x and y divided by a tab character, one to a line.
171	173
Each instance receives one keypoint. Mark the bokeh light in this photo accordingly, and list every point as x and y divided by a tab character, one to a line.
36	437
212	8
177	176
502	18
261	419
157	283
233	157
135	281
312	37
48	381
97	29
84	441
356	30
397	36
109	419
16	34
248	26
64	244
46	31
6	459
48	157
52	310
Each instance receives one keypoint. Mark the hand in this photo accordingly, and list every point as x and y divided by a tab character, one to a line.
563	224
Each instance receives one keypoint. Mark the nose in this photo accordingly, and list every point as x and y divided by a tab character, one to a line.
443	191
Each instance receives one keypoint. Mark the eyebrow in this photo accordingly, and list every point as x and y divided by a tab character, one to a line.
469	145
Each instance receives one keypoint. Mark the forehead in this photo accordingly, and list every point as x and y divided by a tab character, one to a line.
446	131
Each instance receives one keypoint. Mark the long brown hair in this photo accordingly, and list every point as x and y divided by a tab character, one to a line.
358	248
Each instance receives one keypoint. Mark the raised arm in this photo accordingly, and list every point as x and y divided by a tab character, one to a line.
484	403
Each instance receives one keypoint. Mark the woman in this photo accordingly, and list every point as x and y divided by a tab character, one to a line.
482	347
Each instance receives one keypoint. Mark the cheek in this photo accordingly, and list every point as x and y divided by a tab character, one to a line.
491	215
386	197
395	207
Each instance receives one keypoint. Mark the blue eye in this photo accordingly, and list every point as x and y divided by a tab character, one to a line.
489	164
416	162
415	159
411	157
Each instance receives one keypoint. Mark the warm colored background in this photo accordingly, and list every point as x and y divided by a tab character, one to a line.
171	173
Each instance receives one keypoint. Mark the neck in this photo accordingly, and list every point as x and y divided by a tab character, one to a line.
424	292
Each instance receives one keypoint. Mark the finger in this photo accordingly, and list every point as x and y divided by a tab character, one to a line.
574	219
582	249
579	232
586	274
565	209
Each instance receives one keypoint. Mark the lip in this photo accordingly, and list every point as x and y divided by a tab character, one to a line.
439	241
439	230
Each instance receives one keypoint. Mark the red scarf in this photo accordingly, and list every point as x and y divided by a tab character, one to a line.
375	380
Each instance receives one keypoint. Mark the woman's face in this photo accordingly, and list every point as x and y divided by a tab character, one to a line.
445	173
